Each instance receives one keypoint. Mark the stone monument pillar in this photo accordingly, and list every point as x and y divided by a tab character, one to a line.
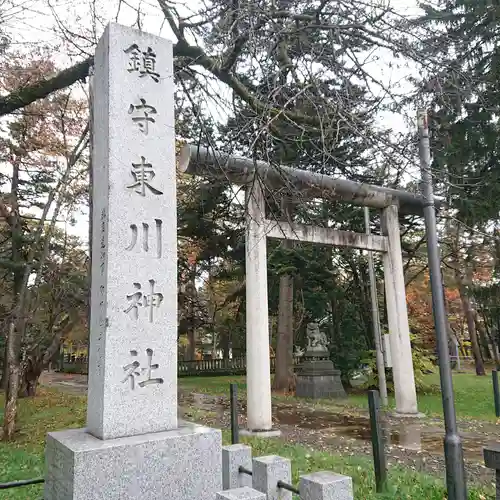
317	378
133	445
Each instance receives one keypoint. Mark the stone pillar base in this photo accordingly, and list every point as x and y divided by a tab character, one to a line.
397	414
180	464
318	379
271	433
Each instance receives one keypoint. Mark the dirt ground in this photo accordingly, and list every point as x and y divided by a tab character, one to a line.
417	444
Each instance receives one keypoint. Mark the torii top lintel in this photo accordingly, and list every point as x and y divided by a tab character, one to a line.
201	161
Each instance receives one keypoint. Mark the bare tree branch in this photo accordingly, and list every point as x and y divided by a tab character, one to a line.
31	93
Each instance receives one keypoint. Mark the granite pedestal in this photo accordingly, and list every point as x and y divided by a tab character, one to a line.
180	464
317	378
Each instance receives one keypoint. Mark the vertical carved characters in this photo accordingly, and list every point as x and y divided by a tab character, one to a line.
145	237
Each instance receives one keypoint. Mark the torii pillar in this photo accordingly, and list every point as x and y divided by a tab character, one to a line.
397	316
259	412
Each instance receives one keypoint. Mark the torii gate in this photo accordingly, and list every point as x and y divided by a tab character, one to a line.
256	175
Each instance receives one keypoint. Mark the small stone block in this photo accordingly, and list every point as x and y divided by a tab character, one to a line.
492	456
180	464
267	471
244	493
326	486
234	456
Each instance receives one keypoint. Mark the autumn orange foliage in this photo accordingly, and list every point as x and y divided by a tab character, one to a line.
419	302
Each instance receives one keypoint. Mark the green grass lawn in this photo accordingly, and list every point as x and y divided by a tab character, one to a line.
24	458
473	394
52	410
473	397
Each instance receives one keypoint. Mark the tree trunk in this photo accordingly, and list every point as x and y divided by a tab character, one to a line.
482	331
31	386
212	311
191	330
29	377
14	368
5	370
469	313
494	345
224	345
284	376
13	341
483	340
471	325
362	283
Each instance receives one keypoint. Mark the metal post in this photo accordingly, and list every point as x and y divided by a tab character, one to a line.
457	352
379	460
18	484
235	435
382	384
496	393
453	451
288	487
